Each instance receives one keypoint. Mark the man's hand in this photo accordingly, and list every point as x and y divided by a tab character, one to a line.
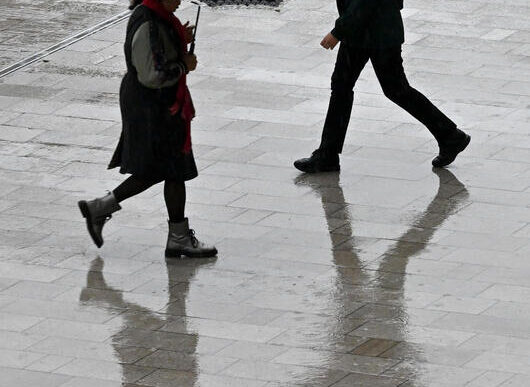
189	32
329	42
191	61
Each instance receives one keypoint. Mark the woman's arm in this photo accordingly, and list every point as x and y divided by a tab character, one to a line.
154	69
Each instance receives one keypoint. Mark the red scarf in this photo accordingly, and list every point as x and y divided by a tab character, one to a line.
183	102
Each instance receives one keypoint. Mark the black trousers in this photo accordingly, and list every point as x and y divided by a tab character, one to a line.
388	66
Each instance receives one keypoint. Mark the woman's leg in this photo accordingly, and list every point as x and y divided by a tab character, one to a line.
98	211
175	197
181	239
132	186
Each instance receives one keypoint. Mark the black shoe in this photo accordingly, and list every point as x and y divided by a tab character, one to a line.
450	150
319	162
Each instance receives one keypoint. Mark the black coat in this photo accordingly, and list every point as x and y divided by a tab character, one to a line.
151	139
370	23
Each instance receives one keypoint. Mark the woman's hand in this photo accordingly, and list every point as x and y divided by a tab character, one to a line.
190	60
329	42
189	32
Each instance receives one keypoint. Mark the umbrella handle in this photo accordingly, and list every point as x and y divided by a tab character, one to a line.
192	46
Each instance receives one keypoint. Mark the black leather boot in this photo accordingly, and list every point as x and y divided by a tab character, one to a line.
320	161
97	212
450	148
181	241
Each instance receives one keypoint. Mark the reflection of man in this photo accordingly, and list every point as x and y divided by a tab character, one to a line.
373	30
384	297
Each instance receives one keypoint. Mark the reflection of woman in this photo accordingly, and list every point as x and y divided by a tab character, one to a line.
140	324
156	106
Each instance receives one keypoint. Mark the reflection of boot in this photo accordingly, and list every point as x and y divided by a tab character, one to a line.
95	284
450	148
181	241
97	212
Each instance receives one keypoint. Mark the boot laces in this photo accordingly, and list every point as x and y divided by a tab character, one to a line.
194	241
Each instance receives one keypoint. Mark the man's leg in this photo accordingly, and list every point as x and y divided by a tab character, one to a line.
350	62
348	67
388	66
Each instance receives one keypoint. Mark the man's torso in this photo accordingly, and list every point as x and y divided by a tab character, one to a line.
385	29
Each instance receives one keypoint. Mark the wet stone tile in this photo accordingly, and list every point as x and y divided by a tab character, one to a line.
170	360
501	362
343	362
252	351
33	289
169	378
26	378
17	322
433	374
208	380
434	354
385	274
318	341
49	363
354	380
17	359
88	382
415	334
106	370
493	378
17	340
374	347
282	373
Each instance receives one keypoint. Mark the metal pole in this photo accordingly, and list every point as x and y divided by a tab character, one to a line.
192	46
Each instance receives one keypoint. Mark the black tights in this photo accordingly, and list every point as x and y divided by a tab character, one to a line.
174	194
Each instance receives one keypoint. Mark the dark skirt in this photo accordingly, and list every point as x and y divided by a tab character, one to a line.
151	140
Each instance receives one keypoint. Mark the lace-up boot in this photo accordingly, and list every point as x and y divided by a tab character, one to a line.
181	240
97	212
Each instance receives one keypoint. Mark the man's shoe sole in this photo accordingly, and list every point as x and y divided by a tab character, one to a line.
462	147
334	168
180	253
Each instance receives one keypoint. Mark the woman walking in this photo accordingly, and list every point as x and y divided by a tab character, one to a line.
156	108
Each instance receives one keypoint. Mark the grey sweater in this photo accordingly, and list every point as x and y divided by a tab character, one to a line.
156	70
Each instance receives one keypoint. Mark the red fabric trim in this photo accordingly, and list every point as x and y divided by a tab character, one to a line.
183	102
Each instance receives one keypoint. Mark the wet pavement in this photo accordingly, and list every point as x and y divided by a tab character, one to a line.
28	26
387	274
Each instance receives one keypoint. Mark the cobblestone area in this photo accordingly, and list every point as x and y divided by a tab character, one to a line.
386	274
28	26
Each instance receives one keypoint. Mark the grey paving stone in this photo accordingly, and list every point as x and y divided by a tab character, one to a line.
11	376
387	275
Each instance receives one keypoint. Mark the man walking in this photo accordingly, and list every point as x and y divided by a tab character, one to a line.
373	30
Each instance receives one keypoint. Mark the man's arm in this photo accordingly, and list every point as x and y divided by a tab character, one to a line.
356	18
